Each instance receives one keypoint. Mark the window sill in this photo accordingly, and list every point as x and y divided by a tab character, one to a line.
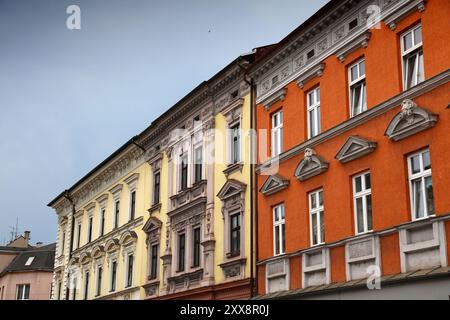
233	168
155	207
231	255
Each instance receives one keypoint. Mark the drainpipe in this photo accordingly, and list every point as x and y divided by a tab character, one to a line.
253	194
133	141
69	198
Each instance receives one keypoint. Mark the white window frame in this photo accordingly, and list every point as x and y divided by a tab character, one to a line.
422	174
313	107
198	145
277	133
230	143
416	47
278	224
316	211
354	83
363	194
23	286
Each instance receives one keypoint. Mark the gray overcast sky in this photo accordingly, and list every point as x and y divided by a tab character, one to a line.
69	98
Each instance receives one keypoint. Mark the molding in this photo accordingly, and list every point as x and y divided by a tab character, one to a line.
233	168
360	119
102	199
231	188
410	120
316	71
273	184
279	95
90	207
361	41
131	180
116	190
354	148
394	18
154	208
233	111
312	165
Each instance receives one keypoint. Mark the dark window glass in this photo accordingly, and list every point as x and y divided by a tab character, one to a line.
156	187
102	223
116	214
90	230
236	141
130	270
181	251
133	205
235	234
184	172
99	280
198	164
196	245
154	261
79	235
86	285
113	275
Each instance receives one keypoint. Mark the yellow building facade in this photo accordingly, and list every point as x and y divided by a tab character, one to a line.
169	214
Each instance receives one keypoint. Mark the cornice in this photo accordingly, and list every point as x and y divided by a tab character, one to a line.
279	95
394	17
361	41
116	189
317	71
370	114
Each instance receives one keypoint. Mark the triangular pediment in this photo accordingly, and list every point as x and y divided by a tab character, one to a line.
312	165
354	148
410	120
273	184
152	224
230	188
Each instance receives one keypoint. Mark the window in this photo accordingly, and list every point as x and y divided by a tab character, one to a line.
23	292
86	285
59	290
236	143
154	261
99	280
102	222
310	54
353	24
113	276
277	133
362	195
181	251
156	187
420	184
235	234
196	247
357	76
90	230
133	205
198	153
130	270
313	108
29	261
184	172
116	214
279	229
74	289
412	57
63	242
78	235
316	212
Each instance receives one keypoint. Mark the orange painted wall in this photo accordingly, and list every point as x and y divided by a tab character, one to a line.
387	163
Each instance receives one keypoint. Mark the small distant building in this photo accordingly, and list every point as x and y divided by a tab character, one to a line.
26	271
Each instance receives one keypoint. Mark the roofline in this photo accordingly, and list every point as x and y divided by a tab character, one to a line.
90	173
326	7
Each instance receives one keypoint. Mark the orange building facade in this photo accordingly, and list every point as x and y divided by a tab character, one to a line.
354	170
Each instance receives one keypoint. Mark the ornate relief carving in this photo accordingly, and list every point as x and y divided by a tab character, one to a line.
274	184
310	166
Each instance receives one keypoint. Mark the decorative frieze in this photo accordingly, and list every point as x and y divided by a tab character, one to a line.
360	256
316	267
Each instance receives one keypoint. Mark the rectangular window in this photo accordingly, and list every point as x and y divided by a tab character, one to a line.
130	270
196	248
412	57
357	84
113	276
316	212
181	251
277	133
102	222
198	153
116	214
99	281
184	172
279	230
235	234
86	285
90	230
79	235
362	197
74	289
156	187
133	205
236	143
23	292
154	261
313	108
421	185
59	290
63	242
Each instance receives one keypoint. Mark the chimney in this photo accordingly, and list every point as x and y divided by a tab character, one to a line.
26	235
38	244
